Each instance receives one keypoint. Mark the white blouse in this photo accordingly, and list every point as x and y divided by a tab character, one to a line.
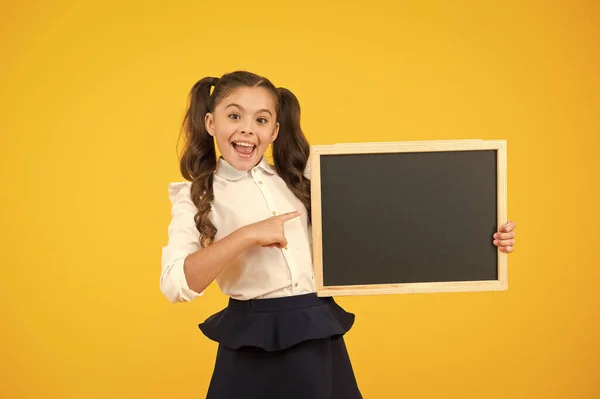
241	198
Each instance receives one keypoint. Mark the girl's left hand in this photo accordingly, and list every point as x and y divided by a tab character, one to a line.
504	238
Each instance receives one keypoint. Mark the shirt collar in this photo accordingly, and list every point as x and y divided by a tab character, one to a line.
228	172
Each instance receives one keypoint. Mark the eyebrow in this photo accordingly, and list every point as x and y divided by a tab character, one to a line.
242	108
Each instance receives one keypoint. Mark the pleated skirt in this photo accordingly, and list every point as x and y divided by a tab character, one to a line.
281	348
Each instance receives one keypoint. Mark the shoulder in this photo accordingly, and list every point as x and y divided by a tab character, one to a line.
179	191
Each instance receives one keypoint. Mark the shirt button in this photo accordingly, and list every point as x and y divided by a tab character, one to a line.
274	213
260	182
255	169
295	284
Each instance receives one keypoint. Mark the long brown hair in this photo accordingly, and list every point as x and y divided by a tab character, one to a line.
199	157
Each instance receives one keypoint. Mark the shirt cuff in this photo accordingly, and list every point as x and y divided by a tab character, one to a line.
186	293
173	283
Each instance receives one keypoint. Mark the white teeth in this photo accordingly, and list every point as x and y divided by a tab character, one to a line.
244	144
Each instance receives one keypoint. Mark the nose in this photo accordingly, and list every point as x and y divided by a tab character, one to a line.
247	128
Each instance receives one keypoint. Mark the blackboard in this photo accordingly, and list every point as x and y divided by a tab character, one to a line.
408	216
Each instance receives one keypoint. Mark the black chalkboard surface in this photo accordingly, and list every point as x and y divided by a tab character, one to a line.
408	217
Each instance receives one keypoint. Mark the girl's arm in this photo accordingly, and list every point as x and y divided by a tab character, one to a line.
204	266
187	269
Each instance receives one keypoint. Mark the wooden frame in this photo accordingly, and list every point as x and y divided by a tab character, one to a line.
394	147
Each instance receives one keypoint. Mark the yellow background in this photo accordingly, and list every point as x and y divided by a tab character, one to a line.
91	100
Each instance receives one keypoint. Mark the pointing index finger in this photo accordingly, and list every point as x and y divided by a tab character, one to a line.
288	216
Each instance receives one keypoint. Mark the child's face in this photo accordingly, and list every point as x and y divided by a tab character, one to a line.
244	124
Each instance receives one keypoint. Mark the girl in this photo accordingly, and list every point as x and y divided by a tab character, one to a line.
246	224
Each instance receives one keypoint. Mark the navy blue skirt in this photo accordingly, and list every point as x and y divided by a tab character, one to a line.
281	348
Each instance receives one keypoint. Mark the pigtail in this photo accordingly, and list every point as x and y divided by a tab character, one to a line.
291	149
199	157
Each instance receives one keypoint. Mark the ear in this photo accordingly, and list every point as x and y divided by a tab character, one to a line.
275	132
209	123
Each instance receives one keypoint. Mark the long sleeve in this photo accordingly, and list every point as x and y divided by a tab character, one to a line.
183	240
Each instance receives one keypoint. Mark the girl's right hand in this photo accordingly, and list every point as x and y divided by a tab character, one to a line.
269	232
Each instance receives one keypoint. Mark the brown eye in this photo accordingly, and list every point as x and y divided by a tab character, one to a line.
234	116
262	121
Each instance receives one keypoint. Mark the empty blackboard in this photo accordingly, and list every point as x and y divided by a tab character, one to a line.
408	216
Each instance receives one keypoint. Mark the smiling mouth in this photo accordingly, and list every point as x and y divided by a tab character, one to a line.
243	149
